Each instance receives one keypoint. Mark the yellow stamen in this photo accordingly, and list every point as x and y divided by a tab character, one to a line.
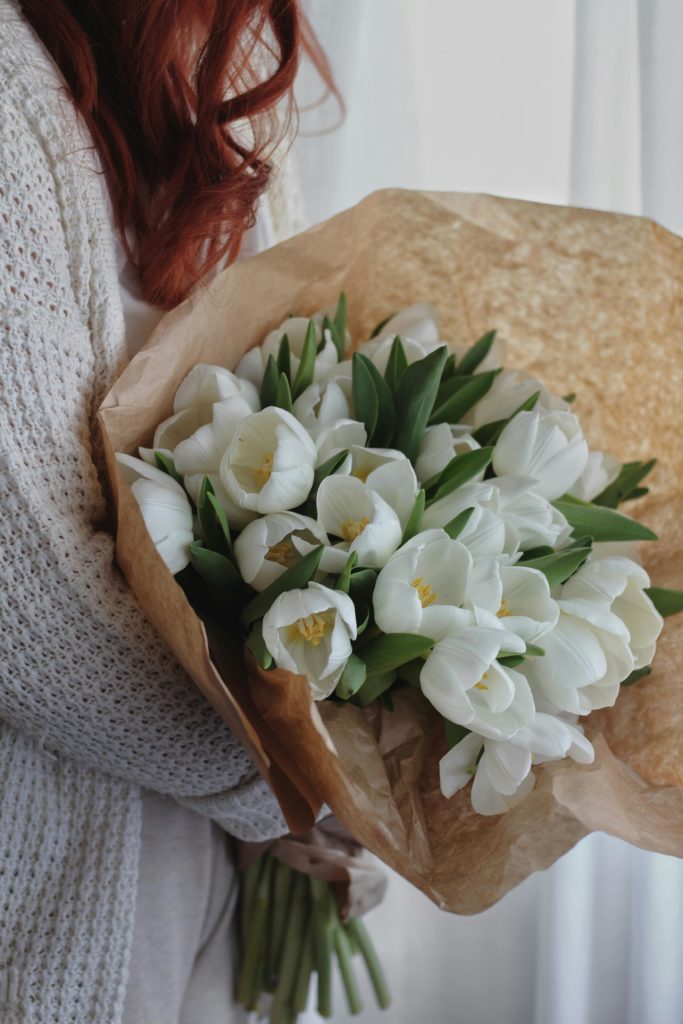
283	553
504	609
262	474
363	474
312	628
350	528
481	685
425	591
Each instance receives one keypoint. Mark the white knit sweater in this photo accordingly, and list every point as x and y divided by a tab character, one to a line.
92	705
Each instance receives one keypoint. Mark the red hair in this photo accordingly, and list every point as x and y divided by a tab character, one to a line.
181	100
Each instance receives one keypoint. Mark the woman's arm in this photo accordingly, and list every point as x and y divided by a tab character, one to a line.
81	670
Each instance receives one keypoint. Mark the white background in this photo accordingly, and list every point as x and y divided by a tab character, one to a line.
563	101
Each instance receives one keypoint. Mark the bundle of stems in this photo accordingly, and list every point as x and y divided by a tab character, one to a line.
289	930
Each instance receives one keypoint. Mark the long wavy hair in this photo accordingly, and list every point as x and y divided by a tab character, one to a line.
186	102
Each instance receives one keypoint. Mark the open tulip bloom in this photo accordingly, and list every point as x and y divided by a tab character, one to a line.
411	515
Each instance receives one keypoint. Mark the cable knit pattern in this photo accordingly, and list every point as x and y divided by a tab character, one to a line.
92	705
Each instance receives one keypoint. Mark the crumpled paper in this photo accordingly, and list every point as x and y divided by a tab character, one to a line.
589	302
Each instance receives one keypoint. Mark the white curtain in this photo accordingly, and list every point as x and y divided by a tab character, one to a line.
567	101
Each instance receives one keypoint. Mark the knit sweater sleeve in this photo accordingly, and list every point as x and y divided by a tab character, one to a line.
80	667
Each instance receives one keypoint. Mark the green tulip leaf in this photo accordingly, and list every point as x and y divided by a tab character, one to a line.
600	523
269	383
213	521
385	422
625	487
415	396
257	646
455	407
352	678
396	365
560	565
489	433
296	577
304	375
344	580
284	363
391	650
638	673
477	353
166	464
667	602
365	397
455	527
374	688
414	524
222	580
460	470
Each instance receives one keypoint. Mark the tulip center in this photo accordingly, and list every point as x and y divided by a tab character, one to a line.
352	528
504	609
481	685
425	591
284	553
262	474
312	628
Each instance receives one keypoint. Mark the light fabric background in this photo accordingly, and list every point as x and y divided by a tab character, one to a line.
566	101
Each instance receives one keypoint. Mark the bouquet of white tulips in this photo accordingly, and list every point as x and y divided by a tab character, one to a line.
411	515
410	575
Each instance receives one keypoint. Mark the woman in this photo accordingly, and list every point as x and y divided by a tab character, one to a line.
116	777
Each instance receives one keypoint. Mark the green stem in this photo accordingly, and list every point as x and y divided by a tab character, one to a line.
281	1009
305	969
282	890
356	928
344	956
249	881
254	932
322	936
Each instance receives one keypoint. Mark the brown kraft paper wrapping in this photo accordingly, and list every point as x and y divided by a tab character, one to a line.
589	302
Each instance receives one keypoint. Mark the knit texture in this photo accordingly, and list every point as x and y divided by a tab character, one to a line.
92	705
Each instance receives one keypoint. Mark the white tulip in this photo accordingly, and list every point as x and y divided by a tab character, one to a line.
421	585
521	599
165	509
363	461
601	470
253	363
205	385
419	322
309	632
176	428
485	533
202	451
321	405
587	656
237	517
463	680
273	543
439	445
620	583
269	464
502	774
349	509
394	481
529	516
509	390
338	436
548	446
378	350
